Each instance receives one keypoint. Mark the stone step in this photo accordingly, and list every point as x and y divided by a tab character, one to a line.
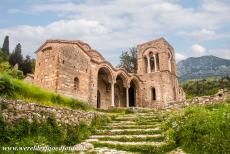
105	150
135	126
129	131
140	147
130	138
133	122
127	143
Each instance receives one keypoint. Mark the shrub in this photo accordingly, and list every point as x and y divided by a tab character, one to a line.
200	129
47	132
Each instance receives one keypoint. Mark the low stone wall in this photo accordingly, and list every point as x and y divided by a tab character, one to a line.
14	110
221	96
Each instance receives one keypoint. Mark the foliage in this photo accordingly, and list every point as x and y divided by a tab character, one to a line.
17	89
43	133
201	129
5	68
128	60
5	46
16	57
26	65
203	87
3	56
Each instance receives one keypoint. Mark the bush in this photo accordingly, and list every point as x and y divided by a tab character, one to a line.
17	89
200	129
43	133
205	87
5	68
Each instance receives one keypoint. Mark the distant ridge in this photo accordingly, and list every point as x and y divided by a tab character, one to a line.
201	67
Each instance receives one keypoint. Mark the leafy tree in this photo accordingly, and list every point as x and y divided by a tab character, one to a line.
128	60
5	46
16	57
26	66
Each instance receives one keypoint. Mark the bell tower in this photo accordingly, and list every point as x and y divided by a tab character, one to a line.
155	56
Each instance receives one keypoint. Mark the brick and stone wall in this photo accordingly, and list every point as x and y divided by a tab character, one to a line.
17	109
75	70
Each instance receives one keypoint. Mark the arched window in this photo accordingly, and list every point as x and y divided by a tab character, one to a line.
158	62
76	84
153	91
169	62
152	64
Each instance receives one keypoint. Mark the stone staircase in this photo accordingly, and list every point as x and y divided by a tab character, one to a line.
131	133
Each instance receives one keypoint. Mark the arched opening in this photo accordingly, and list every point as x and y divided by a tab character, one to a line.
153	93
76	85
152	64
145	65
174	93
169	62
132	94
158	62
104	87
120	91
98	99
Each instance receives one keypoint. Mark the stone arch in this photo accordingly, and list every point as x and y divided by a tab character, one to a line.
133	92
108	70
120	89
148	50
151	59
123	76
104	80
76	85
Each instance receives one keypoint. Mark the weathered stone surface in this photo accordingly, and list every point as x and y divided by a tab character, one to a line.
17	109
73	69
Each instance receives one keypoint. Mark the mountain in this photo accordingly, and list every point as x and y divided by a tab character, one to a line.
200	67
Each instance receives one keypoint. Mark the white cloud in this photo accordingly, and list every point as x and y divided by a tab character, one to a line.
203	34
179	57
32	36
198	50
110	26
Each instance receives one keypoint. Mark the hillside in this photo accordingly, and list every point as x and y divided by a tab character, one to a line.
200	67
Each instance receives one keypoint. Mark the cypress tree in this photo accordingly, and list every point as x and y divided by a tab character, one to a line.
5	46
16	57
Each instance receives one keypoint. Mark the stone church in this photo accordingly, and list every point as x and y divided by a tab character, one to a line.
74	69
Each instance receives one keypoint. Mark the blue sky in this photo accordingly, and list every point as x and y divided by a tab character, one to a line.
194	28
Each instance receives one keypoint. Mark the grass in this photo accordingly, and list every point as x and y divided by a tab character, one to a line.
201	129
18	89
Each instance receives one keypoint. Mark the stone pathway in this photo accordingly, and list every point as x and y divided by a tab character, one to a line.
131	133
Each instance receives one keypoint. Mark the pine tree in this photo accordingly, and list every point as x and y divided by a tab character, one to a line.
16	57
5	46
26	66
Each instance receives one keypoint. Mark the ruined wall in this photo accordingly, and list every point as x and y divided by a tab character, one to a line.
220	97
16	109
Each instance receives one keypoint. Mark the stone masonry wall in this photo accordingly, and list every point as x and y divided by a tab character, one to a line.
17	109
220	97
